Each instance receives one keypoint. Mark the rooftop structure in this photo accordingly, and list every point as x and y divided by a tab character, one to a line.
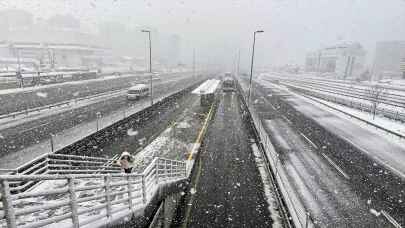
344	60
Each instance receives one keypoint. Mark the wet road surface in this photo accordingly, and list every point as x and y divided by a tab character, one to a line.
229	190
334	194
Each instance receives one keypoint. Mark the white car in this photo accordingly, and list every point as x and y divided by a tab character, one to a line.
137	91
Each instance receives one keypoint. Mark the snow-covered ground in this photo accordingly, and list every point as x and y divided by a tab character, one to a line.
91	198
175	142
332	93
384	148
35	88
381	121
74	134
397	85
268	188
72	104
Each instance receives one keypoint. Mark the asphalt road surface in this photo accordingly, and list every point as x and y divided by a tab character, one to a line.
19	145
228	190
328	190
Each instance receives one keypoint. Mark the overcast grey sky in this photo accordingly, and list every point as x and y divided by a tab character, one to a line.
218	27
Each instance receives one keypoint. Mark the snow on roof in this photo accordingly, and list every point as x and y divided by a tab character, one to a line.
138	86
207	87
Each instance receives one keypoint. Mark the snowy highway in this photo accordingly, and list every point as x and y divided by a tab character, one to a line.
228	189
69	124
333	164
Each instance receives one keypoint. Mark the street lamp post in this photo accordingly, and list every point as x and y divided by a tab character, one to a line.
251	65
150	65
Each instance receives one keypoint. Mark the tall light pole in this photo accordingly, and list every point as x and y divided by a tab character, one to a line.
251	64
150	65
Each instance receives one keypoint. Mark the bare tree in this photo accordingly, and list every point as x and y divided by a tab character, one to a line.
375	94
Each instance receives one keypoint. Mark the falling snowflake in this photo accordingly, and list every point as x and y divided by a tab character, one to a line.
131	132
374	212
193	191
42	94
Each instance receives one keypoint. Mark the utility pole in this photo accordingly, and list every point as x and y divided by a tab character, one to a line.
19	75
251	64
150	65
18	60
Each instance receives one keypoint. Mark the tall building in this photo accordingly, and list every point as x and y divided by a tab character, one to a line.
55	43
344	60
387	61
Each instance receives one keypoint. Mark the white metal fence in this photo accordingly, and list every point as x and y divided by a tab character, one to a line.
60	164
393	114
299	215
76	200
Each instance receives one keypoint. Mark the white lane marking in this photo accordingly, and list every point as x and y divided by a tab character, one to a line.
308	140
286	119
401	174
391	219
335	166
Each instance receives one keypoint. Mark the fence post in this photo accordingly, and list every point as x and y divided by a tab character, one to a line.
130	205
184	167
52	145
73	202
143	189
157	171
307	220
107	180
171	169
8	204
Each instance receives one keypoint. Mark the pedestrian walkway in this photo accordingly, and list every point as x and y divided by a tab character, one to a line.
228	190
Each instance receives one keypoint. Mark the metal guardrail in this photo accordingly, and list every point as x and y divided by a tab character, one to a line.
355	91
60	164
41	164
58	104
358	105
389	113
83	199
357	118
395	115
299	216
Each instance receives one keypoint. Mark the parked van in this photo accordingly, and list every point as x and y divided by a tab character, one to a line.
137	91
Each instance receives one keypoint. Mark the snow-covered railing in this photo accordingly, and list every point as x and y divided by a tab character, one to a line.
60	104
394	114
298	214
61	164
77	200
388	113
